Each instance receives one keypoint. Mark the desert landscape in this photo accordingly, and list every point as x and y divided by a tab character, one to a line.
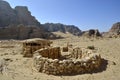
30	50
18	67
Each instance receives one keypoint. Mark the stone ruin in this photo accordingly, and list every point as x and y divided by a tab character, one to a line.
56	61
79	61
29	46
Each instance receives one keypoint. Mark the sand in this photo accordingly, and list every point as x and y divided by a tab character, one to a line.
22	68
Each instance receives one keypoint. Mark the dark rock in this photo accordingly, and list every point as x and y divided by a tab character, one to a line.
92	33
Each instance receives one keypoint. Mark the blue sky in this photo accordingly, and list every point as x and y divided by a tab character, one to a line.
86	14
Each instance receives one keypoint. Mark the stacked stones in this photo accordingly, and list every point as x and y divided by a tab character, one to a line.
74	65
79	53
29	47
50	52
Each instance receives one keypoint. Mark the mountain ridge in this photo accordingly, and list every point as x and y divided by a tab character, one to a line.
54	27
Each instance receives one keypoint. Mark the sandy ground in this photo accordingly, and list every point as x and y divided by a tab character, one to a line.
22	68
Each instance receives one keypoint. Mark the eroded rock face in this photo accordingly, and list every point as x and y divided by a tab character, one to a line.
25	17
88	62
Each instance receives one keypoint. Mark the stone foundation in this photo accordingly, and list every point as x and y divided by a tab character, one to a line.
80	61
30	46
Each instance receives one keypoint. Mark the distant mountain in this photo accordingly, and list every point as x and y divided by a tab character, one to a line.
54	27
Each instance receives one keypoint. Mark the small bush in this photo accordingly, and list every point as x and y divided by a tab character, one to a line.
91	47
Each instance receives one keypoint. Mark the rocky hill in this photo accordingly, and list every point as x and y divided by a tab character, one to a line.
18	23
12	19
115	28
19	15
54	27
114	31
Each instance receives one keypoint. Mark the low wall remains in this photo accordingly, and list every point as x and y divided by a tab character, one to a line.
50	52
73	65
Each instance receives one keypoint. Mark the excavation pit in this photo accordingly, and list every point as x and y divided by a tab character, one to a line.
77	62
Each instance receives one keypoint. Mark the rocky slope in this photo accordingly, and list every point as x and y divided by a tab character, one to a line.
54	27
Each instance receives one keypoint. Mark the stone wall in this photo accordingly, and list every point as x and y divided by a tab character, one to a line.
72	65
29	47
79	53
51	52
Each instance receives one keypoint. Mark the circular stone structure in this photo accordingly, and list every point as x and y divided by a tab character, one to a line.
79	61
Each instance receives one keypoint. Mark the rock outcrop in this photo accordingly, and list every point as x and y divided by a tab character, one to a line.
114	32
92	33
115	28
52	27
